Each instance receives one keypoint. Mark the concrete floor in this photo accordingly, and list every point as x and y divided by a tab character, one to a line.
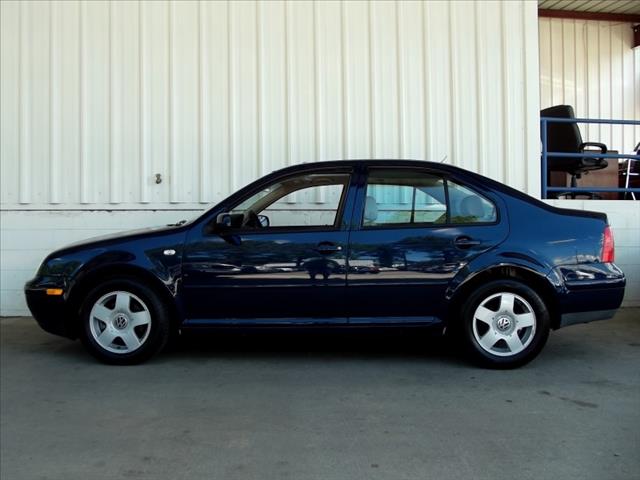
322	407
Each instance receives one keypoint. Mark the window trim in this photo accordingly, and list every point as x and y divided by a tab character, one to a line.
446	177
337	224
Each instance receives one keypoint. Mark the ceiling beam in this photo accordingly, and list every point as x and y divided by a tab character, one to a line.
609	17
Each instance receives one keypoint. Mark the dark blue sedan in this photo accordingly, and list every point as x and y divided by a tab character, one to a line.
342	244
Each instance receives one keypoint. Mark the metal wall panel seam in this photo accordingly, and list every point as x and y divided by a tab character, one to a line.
611	113
372	110
399	85
319	132
24	56
173	164
55	120
622	90
428	87
599	82
563	62
455	87
259	105
575	56
550	60
532	101
287	80
480	86
230	94
114	153
635	84
344	78
448	91
203	100
506	107
144	132
84	127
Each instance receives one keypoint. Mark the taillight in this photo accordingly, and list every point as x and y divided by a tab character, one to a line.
608	249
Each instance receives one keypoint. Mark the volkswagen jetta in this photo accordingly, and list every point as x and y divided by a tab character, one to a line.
342	244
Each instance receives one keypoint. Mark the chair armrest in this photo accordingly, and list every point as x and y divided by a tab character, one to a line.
601	146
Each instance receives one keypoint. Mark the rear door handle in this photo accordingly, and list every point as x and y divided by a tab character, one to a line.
465	242
328	247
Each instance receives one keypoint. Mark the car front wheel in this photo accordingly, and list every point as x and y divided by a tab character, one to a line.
505	324
124	322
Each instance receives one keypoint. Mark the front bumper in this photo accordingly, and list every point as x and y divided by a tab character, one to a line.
588	292
51	312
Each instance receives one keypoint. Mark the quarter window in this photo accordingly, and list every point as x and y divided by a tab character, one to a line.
467	206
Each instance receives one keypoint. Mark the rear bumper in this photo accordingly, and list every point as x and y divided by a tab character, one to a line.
585	317
51	312
588	292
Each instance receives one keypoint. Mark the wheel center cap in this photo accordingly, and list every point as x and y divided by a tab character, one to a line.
120	321
503	324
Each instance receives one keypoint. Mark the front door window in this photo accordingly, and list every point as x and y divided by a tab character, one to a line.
302	201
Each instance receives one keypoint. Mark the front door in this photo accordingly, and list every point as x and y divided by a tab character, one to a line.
278	256
415	232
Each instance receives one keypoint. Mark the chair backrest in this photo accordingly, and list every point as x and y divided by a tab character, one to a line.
370	209
471	206
562	137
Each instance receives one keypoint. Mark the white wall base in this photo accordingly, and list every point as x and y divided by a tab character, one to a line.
28	236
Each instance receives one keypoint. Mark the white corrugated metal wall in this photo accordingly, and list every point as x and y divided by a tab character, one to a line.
592	66
98	97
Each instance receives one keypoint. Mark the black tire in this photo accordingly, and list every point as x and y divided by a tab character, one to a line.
159	326
538	335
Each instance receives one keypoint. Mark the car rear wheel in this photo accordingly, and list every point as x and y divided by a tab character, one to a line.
505	324
124	322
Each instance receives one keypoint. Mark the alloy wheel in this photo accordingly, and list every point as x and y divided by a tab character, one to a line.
120	322
504	324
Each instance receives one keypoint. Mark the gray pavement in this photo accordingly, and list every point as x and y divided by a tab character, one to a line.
348	406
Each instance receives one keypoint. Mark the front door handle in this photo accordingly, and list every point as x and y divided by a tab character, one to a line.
325	248
465	242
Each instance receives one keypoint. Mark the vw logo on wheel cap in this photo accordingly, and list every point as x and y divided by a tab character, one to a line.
504	323
121	321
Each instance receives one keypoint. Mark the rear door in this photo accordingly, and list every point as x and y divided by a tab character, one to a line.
416	229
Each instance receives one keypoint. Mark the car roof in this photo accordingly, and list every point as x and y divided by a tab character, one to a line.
372	162
461	173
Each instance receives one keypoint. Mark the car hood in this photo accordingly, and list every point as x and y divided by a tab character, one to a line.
125	235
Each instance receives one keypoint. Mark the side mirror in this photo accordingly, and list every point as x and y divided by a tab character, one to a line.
221	223
223	220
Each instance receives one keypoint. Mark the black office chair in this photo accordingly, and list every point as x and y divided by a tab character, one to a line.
566	138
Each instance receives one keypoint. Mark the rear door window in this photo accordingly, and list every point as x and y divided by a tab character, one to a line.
404	197
407	197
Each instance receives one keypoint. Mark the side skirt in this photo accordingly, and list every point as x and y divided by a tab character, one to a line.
339	322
